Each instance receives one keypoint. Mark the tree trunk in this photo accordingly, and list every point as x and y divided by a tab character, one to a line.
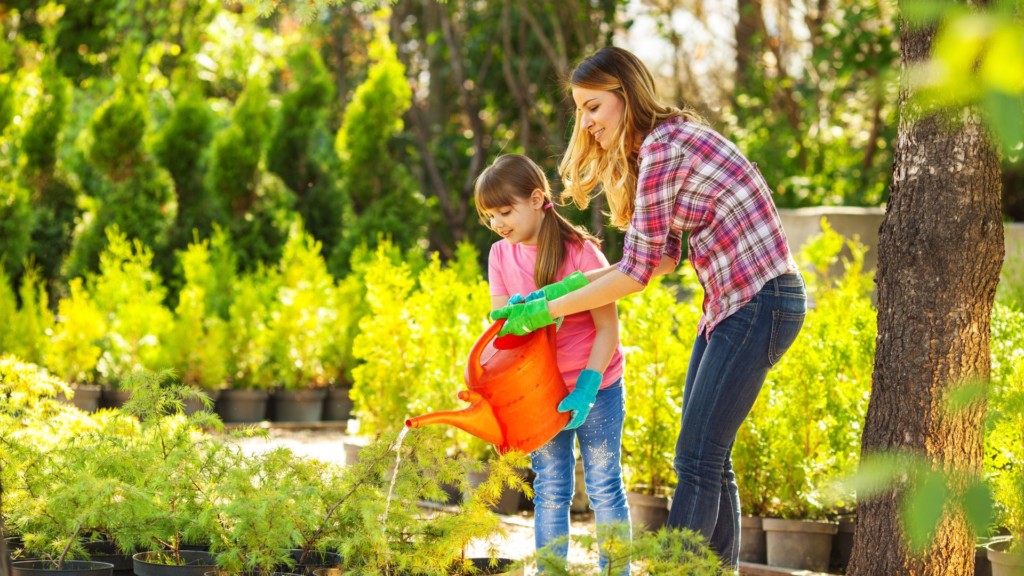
940	253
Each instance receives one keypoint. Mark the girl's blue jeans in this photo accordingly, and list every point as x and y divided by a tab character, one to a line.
600	439
723	380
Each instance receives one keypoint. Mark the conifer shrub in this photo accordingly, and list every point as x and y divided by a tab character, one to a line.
383	193
300	151
130	294
258	205
414	343
16	223
75	346
180	148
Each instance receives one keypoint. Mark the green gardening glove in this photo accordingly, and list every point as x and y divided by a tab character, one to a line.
570	283
521	319
581	399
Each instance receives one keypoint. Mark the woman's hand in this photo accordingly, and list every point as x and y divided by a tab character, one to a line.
521	319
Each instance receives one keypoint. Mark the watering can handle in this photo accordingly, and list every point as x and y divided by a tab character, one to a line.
476	370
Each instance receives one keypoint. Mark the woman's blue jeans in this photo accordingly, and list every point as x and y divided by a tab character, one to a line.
600	439
723	380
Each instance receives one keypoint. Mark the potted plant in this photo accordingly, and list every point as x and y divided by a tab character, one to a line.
656	360
74	350
130	295
303	320
249	372
196	343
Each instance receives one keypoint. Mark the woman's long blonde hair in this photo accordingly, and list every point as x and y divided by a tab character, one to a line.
586	164
514	177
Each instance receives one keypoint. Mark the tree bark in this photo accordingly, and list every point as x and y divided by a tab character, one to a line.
940	253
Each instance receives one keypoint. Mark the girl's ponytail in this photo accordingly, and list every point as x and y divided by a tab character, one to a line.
555	232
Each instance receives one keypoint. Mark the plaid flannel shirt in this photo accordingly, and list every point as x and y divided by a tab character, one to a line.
693	179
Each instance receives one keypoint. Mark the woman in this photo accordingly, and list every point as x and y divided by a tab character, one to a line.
664	173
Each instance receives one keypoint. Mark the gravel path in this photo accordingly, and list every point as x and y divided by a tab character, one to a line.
327	444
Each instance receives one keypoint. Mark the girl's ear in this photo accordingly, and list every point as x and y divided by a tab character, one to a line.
537	199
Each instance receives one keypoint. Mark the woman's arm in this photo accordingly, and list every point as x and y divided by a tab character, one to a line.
498	302
606	286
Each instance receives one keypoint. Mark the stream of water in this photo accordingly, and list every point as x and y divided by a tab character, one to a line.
394	475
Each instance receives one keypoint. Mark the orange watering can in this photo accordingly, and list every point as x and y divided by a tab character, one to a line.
514	390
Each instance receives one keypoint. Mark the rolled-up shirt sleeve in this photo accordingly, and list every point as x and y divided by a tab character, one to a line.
663	170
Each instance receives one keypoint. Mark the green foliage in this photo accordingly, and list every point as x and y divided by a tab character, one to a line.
16	223
414	341
180	147
383	193
657	354
977	59
259	205
130	295
664	552
24	329
118	125
41	140
75	347
1004	438
196	345
821	135
804	430
253	295
299	150
303	317
387	539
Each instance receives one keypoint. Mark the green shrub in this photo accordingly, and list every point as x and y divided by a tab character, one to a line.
16	223
78	334
180	147
384	194
414	342
299	150
657	336
1004	438
805	428
303	317
248	360
196	343
130	295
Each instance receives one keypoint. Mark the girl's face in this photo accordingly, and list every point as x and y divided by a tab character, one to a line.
601	113
520	222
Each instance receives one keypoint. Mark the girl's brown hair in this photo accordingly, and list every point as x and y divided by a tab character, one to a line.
586	164
511	178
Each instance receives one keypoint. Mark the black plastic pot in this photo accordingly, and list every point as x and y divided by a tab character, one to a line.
306	405
71	568
242	405
151	564
104	551
483	566
314	560
338	404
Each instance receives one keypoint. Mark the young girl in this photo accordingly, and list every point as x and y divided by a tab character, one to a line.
664	173
538	248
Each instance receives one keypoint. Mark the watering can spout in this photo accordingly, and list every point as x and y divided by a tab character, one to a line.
478	419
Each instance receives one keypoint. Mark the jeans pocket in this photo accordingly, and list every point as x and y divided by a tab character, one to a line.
785	327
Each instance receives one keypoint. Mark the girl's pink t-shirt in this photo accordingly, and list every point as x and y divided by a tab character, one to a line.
510	271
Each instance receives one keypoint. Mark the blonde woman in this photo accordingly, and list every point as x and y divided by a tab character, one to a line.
664	173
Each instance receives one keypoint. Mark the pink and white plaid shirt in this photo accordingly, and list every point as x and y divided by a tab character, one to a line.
693	179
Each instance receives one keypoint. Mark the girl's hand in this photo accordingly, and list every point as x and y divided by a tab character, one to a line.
581	399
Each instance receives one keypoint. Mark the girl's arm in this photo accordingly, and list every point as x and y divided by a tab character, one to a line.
606	338
498	302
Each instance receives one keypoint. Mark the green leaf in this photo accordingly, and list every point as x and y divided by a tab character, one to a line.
978	506
920	13
923	508
1005	115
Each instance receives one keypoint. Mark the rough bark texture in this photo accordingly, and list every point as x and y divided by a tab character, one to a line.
940	252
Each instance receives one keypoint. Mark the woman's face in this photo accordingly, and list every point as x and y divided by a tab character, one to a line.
601	113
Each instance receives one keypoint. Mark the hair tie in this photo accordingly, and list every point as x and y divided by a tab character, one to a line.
548	206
